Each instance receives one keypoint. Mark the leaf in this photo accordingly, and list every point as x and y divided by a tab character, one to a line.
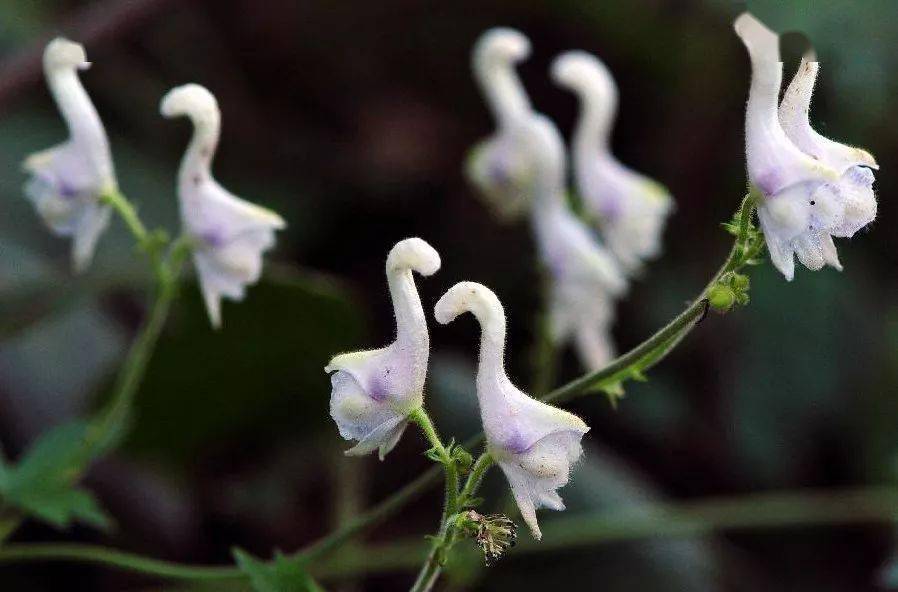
279	575
42	485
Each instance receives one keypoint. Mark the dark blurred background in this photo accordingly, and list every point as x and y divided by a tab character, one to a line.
353	119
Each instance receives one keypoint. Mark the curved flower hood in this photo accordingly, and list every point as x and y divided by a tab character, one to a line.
374	391
496	166
67	181
812	188
630	208
230	234
535	444
584	279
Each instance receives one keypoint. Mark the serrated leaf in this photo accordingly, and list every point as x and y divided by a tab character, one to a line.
61	506
42	483
278	575
433	455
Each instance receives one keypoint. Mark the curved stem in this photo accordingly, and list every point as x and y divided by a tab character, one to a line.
625	366
545	352
647	353
432	566
128	214
478	470
111	557
114	420
757	511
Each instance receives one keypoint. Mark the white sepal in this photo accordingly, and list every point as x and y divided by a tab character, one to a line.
535	444
374	391
230	234
67	181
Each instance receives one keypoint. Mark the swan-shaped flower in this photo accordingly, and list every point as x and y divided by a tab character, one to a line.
584	279
631	209
374	391
68	180
534	444
229	234
811	189
496	166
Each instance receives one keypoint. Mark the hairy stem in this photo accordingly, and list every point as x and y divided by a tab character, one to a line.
430	569
446	537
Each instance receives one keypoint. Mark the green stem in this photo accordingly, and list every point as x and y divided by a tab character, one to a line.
756	511
475	478
432	566
647	353
445	539
420	417
128	214
113	421
545	351
18	552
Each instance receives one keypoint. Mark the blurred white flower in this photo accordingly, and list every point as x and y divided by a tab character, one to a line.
631	209
68	180
812	188
535	444
584	279
230	234
375	391
496	166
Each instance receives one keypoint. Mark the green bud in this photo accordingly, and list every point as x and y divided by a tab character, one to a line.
463	459
740	282
721	298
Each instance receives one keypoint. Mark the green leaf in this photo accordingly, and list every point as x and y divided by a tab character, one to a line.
42	483
279	575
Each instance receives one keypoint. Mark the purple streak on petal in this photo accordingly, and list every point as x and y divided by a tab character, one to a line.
377	389
65	190
769	182
497	172
861	175
516	443
213	237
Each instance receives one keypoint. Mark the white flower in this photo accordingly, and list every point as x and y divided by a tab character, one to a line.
375	391
584	279
812	188
631	209
535	444
68	180
496	166
230	234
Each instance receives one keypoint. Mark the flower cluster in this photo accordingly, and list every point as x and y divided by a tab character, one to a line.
375	392
522	168
810	189
73	184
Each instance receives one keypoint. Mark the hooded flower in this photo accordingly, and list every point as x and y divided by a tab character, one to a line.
496	166
631	209
811	188
374	391
230	234
535	444
584	279
68	180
